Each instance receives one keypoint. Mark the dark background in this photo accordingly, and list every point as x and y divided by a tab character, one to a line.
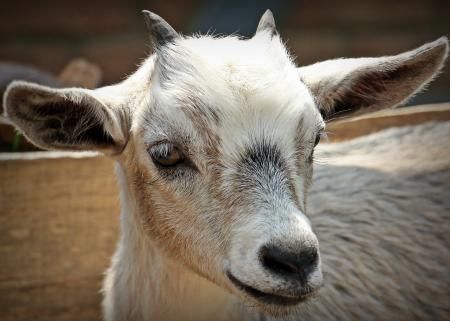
48	33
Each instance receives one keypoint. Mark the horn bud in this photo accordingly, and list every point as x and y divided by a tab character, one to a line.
267	23
160	29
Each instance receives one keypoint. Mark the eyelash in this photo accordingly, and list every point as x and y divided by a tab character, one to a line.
162	153
319	135
317	140
168	168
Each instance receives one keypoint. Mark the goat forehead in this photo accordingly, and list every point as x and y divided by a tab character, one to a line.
227	65
255	53
237	90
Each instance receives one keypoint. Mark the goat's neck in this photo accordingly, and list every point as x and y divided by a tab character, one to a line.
155	286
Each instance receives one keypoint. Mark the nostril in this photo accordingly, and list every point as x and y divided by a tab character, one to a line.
288	263
308	258
273	260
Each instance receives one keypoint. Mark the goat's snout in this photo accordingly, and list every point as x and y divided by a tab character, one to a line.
292	264
280	264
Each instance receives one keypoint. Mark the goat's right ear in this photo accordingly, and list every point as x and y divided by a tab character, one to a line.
358	85
65	119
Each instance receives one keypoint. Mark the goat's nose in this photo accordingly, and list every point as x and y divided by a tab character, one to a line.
288	263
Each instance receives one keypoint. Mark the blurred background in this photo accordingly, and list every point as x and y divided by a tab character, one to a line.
48	33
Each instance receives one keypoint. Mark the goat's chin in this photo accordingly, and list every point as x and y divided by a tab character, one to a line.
277	311
272	303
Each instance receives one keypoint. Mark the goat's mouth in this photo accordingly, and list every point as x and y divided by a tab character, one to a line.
268	298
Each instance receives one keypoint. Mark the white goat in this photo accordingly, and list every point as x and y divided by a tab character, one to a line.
214	140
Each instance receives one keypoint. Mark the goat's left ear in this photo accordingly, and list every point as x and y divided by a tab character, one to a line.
66	119
354	86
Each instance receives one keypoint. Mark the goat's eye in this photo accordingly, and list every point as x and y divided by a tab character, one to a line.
166	155
319	135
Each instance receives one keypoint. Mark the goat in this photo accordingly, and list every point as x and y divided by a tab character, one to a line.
214	139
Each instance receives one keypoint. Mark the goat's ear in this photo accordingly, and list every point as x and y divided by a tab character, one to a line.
267	23
354	86
65	119
160	30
